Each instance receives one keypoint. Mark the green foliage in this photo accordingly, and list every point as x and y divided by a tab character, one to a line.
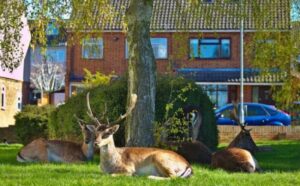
11	12
174	94
94	80
63	125
275	54
32	122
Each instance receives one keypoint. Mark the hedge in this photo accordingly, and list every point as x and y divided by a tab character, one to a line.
63	125
32	122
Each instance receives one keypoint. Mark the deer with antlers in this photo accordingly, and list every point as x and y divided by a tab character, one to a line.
237	156
42	150
152	162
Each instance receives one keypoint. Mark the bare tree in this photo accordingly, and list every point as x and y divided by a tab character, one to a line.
47	76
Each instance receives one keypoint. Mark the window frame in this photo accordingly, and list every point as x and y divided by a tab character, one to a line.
126	49
92	58
219	43
19	101
3	97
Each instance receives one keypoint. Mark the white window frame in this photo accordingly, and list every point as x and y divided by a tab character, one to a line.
91	42
3	97
19	101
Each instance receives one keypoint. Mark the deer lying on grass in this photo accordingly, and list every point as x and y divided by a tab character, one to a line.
42	150
235	159
152	162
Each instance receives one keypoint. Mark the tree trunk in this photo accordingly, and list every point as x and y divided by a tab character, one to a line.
141	74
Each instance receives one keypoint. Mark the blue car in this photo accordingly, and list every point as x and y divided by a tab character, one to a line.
256	114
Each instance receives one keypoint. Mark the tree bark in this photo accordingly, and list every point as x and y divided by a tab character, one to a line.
141	74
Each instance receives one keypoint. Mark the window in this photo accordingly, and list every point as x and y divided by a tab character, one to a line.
92	48
76	88
159	46
227	112
218	94
57	55
255	111
210	48
272	112
19	101
3	97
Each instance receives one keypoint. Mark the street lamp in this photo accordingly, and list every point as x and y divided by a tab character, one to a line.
242	114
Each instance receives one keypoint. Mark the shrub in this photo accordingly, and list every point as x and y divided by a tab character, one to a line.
183	93
63	125
32	122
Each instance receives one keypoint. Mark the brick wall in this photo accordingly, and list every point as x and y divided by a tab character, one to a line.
228	133
178	55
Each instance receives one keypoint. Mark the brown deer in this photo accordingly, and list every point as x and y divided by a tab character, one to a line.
244	139
42	150
152	162
235	159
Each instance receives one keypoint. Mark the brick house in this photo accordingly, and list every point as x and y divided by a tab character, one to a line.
208	50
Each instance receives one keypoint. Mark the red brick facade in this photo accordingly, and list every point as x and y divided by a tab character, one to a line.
114	59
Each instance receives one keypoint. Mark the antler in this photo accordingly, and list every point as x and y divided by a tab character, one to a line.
89	111
234	113
234	116
79	121
129	110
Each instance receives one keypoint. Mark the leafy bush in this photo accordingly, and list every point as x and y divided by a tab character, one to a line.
176	93
32	122
63	125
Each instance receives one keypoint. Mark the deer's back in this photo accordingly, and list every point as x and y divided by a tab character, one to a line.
64	151
234	159
42	150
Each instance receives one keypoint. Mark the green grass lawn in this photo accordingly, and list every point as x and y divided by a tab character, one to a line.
281	166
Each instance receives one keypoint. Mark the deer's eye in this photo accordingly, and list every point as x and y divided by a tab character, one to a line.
105	135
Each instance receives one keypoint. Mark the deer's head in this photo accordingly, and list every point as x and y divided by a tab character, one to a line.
88	131
104	131
104	135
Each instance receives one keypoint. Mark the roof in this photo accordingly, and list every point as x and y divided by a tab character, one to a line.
179	15
228	75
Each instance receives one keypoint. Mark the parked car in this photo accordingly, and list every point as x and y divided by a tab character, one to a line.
256	114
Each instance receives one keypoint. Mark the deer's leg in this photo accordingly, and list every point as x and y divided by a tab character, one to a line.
163	167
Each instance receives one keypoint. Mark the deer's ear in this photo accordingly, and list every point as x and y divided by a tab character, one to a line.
112	130
91	128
